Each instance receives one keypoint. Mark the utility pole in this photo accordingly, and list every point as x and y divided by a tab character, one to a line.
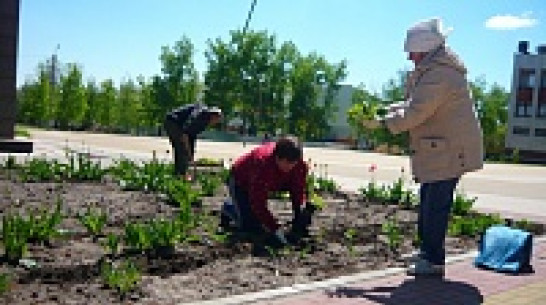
9	32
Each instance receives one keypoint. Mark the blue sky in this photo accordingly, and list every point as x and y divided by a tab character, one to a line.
120	39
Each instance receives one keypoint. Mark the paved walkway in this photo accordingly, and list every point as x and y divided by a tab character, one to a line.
463	284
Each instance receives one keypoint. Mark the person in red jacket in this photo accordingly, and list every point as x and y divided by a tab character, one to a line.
273	166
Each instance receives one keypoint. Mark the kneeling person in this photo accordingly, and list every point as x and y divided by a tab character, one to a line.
271	167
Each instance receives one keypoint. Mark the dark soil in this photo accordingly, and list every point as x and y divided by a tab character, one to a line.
68	266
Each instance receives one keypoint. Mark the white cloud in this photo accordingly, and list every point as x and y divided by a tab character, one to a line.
510	22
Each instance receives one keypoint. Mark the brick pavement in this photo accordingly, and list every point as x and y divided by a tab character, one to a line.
463	284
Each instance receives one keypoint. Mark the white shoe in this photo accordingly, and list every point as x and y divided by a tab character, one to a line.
423	267
412	257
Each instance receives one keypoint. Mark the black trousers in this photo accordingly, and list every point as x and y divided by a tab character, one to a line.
246	219
180	154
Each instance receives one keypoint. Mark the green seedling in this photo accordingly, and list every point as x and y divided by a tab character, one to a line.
393	231
5	283
209	184
15	235
350	235
124	277
112	243
136	236
44	226
93	220
461	204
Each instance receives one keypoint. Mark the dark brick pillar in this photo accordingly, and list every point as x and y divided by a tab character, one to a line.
9	32
9	29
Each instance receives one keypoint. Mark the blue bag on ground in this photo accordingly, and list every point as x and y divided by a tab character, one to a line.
505	249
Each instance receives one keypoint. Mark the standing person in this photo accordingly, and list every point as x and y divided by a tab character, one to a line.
445	135
271	167
183	124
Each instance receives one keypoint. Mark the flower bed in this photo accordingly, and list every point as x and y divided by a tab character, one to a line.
135	234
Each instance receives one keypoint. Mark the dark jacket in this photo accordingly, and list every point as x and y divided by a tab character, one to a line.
192	120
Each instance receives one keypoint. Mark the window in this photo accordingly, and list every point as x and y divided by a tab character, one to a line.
527	78
541	110
540	132
522	131
523	109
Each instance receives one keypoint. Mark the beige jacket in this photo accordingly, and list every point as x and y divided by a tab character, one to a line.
445	135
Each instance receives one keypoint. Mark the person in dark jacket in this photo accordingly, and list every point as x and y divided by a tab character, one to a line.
183	124
270	167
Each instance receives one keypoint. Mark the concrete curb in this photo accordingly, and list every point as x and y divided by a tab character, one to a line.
325	284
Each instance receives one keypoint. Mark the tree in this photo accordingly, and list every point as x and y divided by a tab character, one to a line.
179	75
106	105
72	103
147	112
364	104
492	109
36	99
129	105
91	117
314	83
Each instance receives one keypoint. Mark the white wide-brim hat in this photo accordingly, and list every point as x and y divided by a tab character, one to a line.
425	36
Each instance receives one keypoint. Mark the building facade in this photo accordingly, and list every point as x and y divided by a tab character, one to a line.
340	128
526	131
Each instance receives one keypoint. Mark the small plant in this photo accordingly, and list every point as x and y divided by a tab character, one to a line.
208	162
112	243
15	235
163	233
11	162
93	221
220	237
524	224
136	237
350	235
461	204
209	184
180	192
273	252
392	229
373	192
126	172
81	167
40	169
152	176
123	277
44	227
21	131
5	283
315	183
304	252
483	222
317	201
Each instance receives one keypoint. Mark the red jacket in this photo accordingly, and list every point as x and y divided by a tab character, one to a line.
258	174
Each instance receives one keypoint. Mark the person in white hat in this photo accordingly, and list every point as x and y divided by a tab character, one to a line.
182	125
445	135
